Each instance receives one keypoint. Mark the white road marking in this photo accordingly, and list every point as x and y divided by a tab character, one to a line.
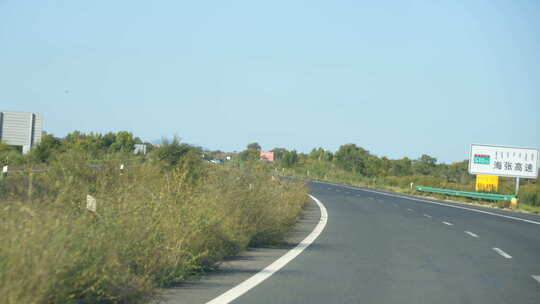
502	253
427	215
442	204
264	274
447	223
410	210
536	277
474	235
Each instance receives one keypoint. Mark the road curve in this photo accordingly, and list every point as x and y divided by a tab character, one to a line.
386	248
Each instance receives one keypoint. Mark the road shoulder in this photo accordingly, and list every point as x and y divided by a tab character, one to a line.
236	269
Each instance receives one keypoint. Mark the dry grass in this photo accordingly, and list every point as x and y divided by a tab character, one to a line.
153	226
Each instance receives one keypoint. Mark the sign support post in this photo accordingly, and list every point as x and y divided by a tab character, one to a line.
517	185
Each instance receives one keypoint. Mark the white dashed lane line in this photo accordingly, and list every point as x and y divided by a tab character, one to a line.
502	253
474	235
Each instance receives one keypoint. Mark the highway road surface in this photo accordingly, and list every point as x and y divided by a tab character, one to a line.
379	247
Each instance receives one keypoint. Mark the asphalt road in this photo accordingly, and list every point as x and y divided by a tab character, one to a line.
378	248
382	247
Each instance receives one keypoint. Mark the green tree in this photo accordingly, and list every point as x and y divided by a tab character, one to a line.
352	158
123	142
74	137
425	165
458	172
90	143
401	167
48	145
321	154
249	154
384	167
107	140
254	146
252	152
290	158
279	153
172	152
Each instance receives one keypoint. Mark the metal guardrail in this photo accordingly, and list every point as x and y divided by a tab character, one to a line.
487	196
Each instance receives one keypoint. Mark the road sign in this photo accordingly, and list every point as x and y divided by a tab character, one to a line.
503	161
487	183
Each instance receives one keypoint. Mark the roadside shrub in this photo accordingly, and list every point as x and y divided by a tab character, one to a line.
530	194
503	204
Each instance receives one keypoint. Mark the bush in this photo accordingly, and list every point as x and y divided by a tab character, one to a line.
503	204
530	194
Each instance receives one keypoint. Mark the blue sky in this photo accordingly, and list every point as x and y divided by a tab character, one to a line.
399	78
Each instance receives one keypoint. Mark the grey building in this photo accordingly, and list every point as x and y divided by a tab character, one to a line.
21	129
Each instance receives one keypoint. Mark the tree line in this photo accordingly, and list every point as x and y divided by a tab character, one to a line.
357	160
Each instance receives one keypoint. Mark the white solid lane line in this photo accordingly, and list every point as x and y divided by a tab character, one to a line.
264	274
502	253
447	223
427	215
536	277
474	235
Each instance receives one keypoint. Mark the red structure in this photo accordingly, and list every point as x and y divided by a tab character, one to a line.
269	156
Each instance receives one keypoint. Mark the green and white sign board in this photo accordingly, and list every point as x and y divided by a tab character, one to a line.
503	161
